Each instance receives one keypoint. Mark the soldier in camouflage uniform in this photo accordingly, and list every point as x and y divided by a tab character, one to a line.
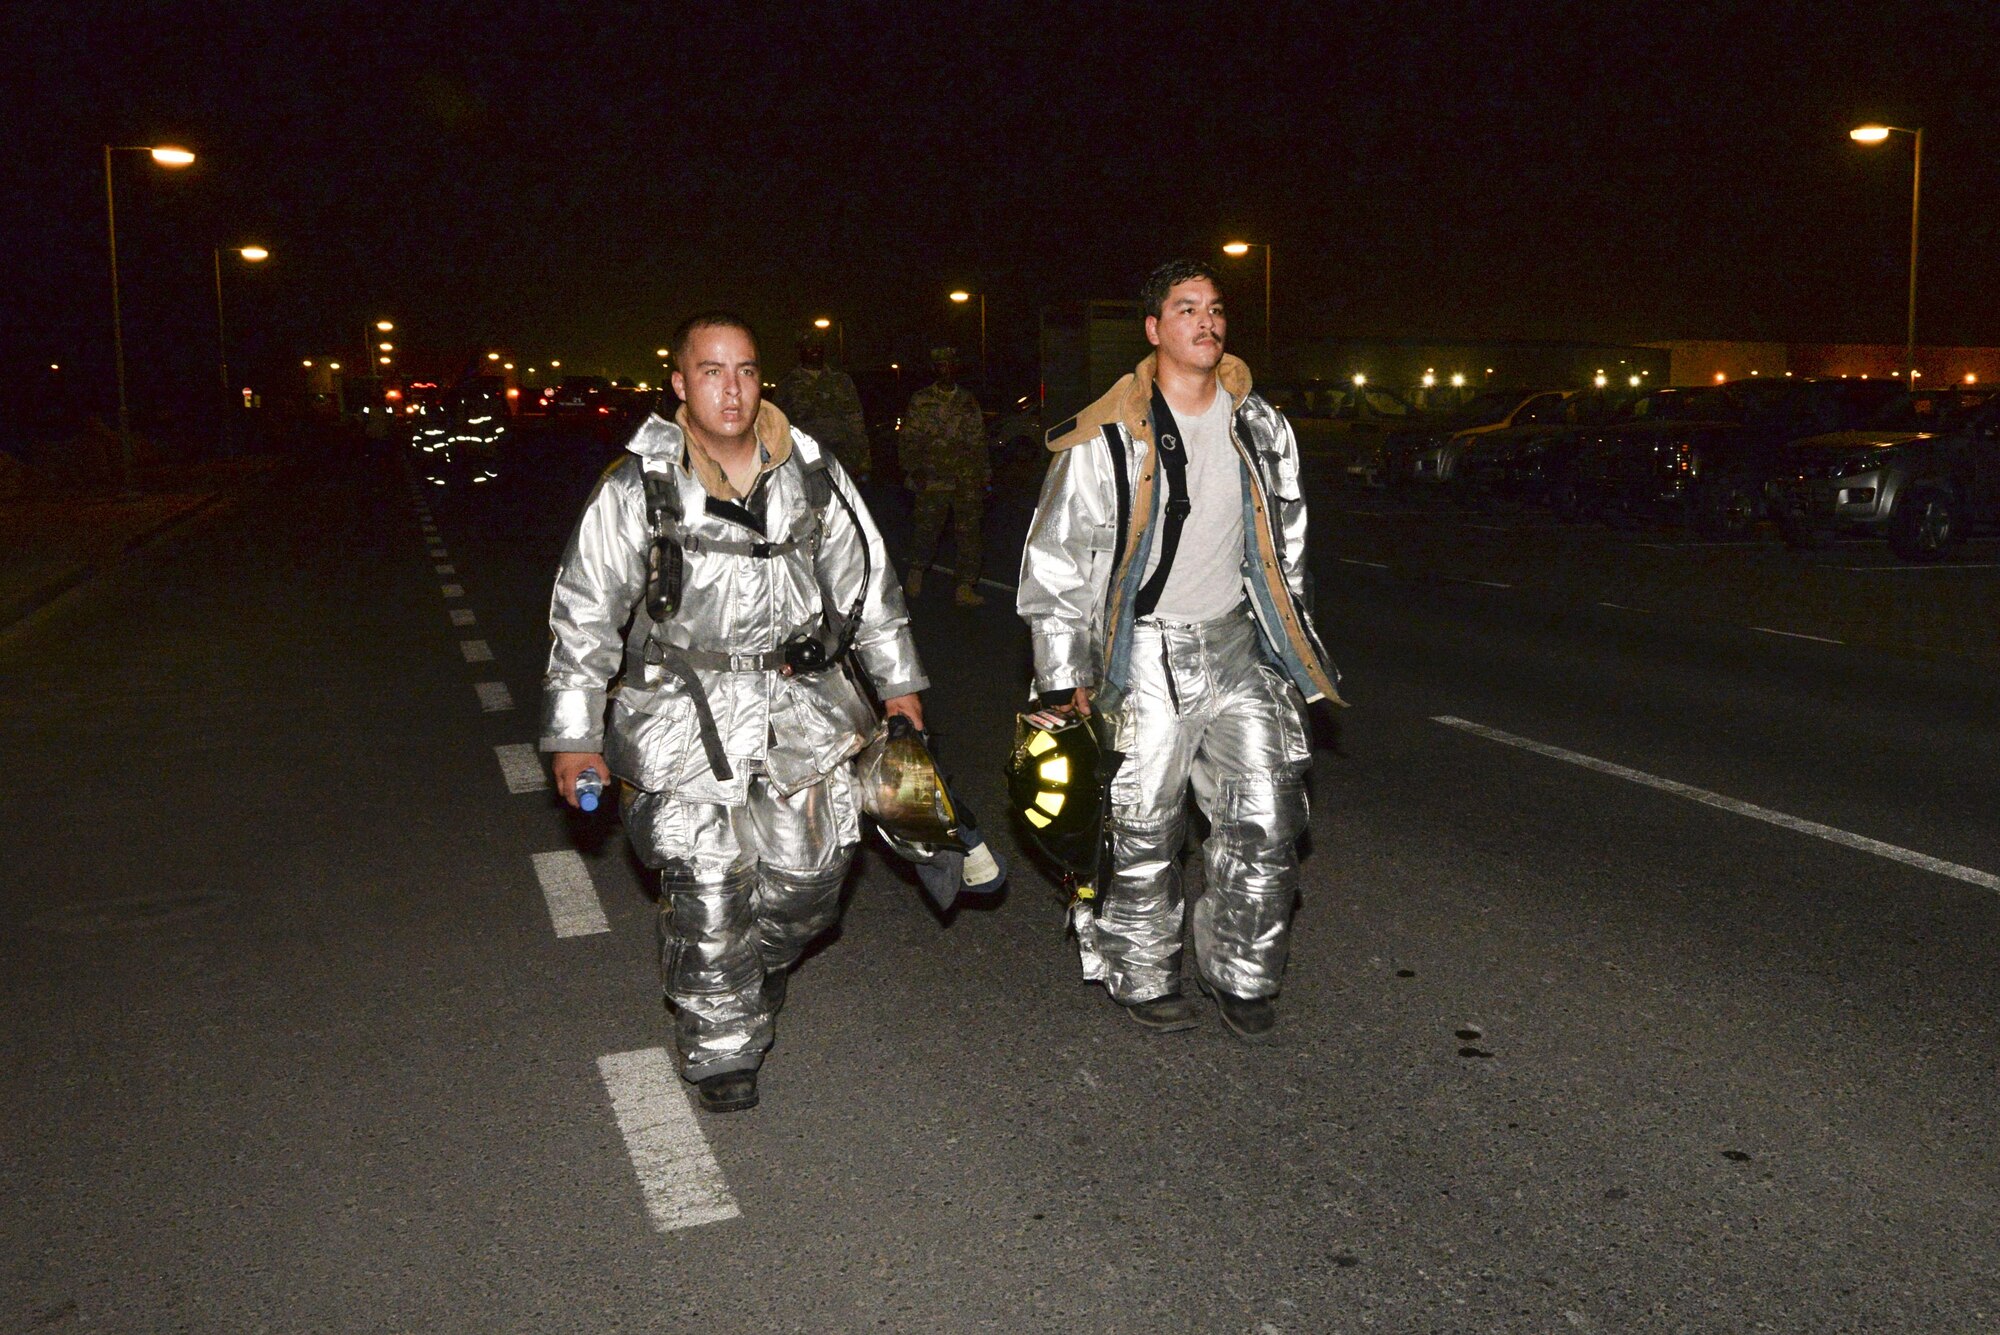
943	451
823	403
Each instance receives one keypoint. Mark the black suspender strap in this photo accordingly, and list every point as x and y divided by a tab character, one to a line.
1172	452
1121	487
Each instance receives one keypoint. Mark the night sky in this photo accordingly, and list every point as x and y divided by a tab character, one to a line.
570	181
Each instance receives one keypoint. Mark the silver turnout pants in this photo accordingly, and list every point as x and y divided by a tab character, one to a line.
1203	709
743	890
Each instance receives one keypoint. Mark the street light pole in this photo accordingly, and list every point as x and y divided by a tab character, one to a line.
254	254
1875	134
166	156
961	296
1910	321
1240	248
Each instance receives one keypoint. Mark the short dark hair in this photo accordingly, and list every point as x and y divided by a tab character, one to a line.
700	320
1169	276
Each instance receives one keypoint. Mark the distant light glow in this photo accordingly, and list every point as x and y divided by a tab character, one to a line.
661	353
254	253
1430	378
385	347
1916	375
169	156
1458	380
961	296
506	366
1868	134
1237	248
1632	380
331	366
1359	379
1719	377
1600	381
57	366
1970	378
383	360
492	356
822	323
513	393
553	362
386	326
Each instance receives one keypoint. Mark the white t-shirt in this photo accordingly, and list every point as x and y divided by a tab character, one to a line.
1207	576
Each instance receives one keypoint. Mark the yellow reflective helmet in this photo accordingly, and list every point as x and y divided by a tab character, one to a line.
1054	785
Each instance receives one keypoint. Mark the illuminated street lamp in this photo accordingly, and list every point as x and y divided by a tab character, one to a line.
961	297
839	327
1875	134
255	255
1242	248
166	156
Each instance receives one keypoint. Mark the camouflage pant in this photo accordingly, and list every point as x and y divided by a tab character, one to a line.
967	503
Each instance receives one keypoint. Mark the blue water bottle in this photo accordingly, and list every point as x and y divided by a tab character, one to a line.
589	787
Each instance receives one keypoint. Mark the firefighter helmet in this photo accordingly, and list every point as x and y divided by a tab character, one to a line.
1054	782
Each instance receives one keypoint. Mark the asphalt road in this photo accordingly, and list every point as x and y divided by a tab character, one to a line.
295	1045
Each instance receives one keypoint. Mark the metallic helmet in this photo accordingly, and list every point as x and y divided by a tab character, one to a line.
902	790
1054	783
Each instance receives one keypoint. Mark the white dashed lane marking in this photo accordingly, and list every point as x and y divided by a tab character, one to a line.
452	590
476	651
445	569
678	1176
1795	635
566	885
521	766
462	616
1970	875
494	697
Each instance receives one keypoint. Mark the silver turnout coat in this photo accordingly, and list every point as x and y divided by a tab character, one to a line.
794	729
1080	574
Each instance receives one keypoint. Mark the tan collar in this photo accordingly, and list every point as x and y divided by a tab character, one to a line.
774	442
1130	401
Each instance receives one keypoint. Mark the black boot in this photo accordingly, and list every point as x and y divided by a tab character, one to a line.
1249	1018
731	1091
1164	1015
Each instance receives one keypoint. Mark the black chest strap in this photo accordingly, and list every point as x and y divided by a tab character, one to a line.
1171	449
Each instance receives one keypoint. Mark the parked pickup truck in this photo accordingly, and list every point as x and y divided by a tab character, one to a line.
1927	470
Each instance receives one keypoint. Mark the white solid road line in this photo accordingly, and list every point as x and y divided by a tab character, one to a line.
452	590
1483	583
1357	561
678	1175
566	885
462	616
1622	607
1918	565
1795	635
521	765
1923	861
476	651
494	697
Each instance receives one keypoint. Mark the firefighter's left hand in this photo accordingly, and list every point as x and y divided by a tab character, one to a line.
909	706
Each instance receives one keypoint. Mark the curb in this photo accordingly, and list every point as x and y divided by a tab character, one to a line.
16	615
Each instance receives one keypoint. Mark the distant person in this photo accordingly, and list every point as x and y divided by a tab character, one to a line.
943	449
747	567
823	403
1177	606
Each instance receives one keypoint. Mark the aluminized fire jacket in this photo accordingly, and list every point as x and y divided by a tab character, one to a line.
1218	706
750	863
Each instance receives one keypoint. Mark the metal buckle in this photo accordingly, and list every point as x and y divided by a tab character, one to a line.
746	662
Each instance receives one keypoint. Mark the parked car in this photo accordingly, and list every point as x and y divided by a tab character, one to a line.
1348	425
575	396
1523	462
1431	453
1926	470
1705	457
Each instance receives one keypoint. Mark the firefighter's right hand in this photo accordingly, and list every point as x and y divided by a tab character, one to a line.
1053	715
568	765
